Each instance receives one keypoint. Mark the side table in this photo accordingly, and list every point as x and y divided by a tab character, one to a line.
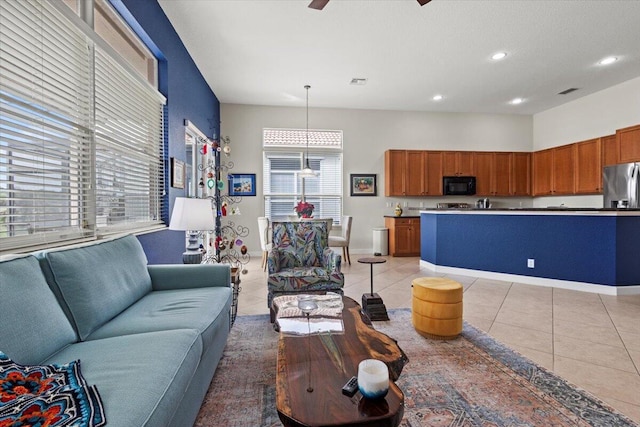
372	304
235	283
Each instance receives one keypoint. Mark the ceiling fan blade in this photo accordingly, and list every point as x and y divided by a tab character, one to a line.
318	4
423	2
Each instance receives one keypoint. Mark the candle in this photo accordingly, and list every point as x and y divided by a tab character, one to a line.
373	378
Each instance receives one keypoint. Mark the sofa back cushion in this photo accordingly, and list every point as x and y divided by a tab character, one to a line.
32	324
98	281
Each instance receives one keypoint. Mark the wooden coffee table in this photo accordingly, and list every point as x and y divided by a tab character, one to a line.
329	360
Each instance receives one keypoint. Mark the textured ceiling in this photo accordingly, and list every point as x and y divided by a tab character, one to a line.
263	52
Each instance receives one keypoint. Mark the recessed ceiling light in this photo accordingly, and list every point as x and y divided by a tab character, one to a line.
359	81
437	98
498	56
516	101
608	60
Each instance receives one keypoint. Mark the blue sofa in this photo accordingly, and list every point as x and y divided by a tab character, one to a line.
148	336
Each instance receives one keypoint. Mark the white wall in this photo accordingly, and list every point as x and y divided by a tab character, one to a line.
593	116
367	134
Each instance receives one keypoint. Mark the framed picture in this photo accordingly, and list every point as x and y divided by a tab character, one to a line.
242	184
177	173
363	184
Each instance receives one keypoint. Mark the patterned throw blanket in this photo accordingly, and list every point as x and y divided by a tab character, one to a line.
47	395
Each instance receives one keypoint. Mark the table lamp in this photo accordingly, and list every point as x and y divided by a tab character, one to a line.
192	216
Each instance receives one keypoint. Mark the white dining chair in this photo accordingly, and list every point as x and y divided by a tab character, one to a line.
343	240
265	240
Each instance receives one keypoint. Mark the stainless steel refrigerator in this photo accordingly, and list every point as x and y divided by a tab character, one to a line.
621	185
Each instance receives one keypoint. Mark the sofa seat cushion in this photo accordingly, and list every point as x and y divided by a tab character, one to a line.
302	278
141	378
98	281
33	325
202	309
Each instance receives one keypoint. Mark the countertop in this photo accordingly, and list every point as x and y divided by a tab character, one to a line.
538	211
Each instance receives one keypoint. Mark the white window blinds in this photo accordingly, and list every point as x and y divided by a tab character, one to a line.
81	140
129	156
45	125
282	186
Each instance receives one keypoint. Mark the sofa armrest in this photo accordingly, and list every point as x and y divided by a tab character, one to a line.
186	276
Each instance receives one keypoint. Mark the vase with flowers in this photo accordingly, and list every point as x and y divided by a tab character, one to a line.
304	209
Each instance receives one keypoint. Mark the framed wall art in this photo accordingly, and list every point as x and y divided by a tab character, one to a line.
177	173
242	184
363	184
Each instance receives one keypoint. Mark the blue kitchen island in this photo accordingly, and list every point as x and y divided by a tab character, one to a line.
595	250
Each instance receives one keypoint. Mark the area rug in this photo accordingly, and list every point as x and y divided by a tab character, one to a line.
470	381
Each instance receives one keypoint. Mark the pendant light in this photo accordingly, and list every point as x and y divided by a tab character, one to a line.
307	172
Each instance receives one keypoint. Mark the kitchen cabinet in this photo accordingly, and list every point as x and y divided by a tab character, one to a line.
457	163
395	166
404	235
493	172
628	144
521	174
609	150
554	171
413	173
588	166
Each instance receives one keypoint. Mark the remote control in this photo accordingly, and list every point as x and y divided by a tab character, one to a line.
350	388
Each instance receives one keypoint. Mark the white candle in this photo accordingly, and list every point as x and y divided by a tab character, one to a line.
373	378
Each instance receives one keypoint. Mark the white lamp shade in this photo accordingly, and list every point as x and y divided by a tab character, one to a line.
191	214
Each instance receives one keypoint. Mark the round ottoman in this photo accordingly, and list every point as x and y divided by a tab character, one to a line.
437	307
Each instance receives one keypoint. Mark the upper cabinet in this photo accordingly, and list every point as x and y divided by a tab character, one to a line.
543	172
457	163
494	173
413	173
628	140
610	150
521	174
588	166
554	171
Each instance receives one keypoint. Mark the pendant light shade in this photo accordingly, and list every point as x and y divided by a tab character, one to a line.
307	172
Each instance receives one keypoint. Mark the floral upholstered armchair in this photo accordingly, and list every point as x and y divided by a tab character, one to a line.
300	260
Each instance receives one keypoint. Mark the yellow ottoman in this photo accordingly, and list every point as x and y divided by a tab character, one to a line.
437	307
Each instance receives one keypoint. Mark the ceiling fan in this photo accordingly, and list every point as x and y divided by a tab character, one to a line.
320	4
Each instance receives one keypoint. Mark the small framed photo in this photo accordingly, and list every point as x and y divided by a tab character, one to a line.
242	184
177	173
363	184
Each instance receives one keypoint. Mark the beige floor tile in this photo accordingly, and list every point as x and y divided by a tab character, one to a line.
600	380
522	337
480	311
594	353
539	357
530	320
594	315
626	322
631	340
478	322
606	334
528	306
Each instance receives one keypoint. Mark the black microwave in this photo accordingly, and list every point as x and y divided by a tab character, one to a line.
458	185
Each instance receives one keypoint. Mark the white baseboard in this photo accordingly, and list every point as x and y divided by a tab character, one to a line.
538	281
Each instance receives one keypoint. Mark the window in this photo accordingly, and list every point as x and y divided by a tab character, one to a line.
81	137
284	154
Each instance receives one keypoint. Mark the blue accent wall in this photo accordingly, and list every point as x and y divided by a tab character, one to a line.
188	97
592	249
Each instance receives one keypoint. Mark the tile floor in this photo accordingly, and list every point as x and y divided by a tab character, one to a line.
589	339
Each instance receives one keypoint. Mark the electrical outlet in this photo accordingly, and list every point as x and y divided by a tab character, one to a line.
531	263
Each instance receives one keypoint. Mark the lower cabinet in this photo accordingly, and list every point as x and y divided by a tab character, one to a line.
404	235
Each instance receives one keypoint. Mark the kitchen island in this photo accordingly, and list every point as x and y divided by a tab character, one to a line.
595	250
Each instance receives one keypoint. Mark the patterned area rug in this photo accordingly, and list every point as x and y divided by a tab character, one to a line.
470	381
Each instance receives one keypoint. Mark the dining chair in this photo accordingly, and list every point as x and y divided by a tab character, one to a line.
265	240
343	240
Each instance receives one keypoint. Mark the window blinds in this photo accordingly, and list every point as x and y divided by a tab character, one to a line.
81	138
45	125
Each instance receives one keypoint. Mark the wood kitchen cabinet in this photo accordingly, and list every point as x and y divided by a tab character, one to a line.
588	166
628	140
493	172
610	150
404	235
457	163
554	171
395	170
521	174
413	173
